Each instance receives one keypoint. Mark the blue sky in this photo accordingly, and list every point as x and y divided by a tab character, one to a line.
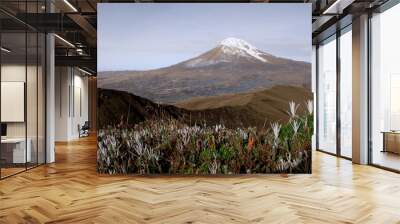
150	35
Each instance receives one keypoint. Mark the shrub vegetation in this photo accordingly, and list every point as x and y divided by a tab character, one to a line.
169	146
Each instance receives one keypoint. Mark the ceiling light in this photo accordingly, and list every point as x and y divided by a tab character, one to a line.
65	41
326	11
70	5
334	5
79	51
5	50
84	71
337	7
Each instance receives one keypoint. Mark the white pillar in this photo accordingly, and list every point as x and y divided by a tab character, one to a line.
360	89
50	99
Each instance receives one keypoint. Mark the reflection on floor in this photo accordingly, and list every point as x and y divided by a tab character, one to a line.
387	159
10	171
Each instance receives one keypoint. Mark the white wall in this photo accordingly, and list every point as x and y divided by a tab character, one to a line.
16	73
12	73
33	126
80	103
71	87
62	82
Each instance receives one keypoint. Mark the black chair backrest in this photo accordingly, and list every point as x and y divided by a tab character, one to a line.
86	125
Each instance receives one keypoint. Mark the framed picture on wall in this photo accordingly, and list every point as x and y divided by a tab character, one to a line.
204	88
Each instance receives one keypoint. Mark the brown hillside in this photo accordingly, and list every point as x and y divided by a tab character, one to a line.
233	110
271	103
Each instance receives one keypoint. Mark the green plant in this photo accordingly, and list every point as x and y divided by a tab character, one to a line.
167	145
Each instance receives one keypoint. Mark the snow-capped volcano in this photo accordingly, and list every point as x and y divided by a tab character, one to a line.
230	50
237	46
232	66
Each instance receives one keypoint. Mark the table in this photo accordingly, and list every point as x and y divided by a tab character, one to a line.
13	150
391	141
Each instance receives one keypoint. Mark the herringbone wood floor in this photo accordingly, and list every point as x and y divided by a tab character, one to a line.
70	191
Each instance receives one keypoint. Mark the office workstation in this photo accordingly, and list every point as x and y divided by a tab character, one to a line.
22	102
15	145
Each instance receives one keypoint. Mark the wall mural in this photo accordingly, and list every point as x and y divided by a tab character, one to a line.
204	89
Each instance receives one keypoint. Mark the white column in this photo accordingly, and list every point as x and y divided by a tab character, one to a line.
50	99
360	89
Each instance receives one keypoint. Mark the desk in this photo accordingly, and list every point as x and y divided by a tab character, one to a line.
391	141
13	150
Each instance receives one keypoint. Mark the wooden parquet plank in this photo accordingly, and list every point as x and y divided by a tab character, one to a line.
70	191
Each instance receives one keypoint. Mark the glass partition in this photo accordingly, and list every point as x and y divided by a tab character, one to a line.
22	77
327	96
31	98
41	109
346	93
13	94
385	89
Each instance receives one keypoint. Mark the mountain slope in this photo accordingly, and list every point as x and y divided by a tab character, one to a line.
271	104
114	107
234	110
233	66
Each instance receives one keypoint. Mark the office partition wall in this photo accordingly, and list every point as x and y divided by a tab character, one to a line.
14	153
346	92
334	94
327	96
22	98
385	89
31	100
